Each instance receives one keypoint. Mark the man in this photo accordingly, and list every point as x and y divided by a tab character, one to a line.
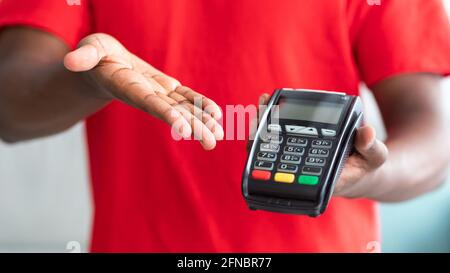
154	194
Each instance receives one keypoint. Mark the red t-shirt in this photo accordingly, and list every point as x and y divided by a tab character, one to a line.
155	194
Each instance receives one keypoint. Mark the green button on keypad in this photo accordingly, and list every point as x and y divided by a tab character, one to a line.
308	180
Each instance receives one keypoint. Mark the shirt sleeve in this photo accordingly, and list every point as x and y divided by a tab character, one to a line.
399	37
67	19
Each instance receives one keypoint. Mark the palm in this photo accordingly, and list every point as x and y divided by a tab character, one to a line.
126	77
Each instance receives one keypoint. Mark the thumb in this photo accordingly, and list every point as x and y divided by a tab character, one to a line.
91	50
369	147
264	99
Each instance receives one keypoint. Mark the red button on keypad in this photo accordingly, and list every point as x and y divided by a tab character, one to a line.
261	175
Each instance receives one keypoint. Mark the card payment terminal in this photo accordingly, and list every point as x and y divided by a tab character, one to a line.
299	150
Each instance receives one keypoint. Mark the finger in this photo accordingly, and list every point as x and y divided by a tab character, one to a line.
169	83
206	118
264	99
205	103
158	87
151	73
161	108
167	99
134	89
253	128
82	59
199	130
370	148
126	84
252	133
355	168
91	50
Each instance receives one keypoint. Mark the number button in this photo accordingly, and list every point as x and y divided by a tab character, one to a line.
296	141
294	150
287	168
319	143
318	152
267	156
269	147
312	170
264	165
290	159
272	138
315	161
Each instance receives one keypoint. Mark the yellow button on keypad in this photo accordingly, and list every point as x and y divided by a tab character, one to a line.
284	177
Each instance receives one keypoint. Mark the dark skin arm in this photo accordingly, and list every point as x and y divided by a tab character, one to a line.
39	97
46	89
418	127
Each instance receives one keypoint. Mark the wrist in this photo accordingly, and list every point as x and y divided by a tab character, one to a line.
382	187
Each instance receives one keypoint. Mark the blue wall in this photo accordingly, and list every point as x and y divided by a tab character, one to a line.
420	225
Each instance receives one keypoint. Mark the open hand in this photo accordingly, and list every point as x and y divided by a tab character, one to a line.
119	74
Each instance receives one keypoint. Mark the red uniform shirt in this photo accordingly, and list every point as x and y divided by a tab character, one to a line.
152	193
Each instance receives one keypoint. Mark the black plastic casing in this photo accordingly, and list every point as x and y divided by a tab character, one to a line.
295	198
